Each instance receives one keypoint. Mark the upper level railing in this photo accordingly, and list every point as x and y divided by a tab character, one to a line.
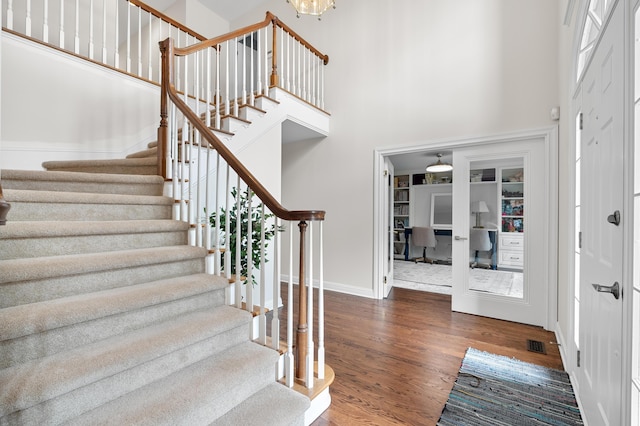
120	34
232	214
124	35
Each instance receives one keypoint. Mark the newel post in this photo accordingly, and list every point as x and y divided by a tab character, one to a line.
301	336
166	52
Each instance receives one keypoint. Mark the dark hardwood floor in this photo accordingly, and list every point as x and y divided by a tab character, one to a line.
396	360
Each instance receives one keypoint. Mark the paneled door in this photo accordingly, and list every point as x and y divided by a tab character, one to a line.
602	229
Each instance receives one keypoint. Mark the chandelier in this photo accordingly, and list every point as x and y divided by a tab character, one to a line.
312	7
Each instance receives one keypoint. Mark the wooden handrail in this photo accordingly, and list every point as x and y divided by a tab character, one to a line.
168	90
278	22
270	18
167	19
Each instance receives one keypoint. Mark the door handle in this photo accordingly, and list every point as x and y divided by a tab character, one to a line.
614	218
459	238
613	289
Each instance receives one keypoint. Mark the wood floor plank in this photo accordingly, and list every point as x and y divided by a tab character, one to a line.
396	359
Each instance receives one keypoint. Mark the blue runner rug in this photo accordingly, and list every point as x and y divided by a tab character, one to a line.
497	390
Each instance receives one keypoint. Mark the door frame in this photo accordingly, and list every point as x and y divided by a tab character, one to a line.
550	137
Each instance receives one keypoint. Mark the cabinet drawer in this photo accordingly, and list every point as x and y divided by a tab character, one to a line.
511	242
511	258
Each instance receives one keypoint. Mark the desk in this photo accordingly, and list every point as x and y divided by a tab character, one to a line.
448	232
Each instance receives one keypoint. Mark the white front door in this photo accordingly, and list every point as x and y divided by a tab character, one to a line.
531	305
600	338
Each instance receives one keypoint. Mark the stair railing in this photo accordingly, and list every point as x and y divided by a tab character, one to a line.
207	180
119	34
123	35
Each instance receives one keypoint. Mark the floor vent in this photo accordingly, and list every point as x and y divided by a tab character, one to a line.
535	346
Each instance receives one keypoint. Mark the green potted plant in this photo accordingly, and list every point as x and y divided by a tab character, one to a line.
257	217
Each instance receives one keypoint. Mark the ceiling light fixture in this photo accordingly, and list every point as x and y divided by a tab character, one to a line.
439	166
312	7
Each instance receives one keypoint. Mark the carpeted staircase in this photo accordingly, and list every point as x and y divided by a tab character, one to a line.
107	315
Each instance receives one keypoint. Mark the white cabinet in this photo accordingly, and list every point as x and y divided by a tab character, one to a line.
511	250
512	207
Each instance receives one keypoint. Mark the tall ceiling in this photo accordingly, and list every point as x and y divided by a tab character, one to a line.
227	9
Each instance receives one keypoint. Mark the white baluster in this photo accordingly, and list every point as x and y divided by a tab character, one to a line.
303	72
173	147
150	48
61	31
275	321
310	357
183	171
91	29
196	148
207	118
244	71
294	74
76	36
259	67
289	358
238	255
116	54
27	19
217	104
262	321
139	41
227	101
235	73
288	80
321	357
216	235
128	69
284	52
227	226
322	86
249	285
252	87
266	61
104	31
45	22
10	15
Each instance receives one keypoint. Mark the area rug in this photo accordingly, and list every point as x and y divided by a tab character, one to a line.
438	278
497	390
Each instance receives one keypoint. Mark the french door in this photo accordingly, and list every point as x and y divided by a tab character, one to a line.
530	305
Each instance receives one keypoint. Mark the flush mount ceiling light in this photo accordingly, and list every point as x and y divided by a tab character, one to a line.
439	166
312	7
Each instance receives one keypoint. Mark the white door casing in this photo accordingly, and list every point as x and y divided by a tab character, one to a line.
599	386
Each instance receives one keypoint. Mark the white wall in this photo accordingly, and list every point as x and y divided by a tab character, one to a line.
405	73
197	17
69	109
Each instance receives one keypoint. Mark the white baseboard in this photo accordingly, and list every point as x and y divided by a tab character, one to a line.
318	405
337	287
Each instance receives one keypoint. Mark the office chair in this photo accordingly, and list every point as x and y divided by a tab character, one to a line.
478	241
423	237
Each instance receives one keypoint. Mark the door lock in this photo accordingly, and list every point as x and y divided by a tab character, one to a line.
614	218
613	289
